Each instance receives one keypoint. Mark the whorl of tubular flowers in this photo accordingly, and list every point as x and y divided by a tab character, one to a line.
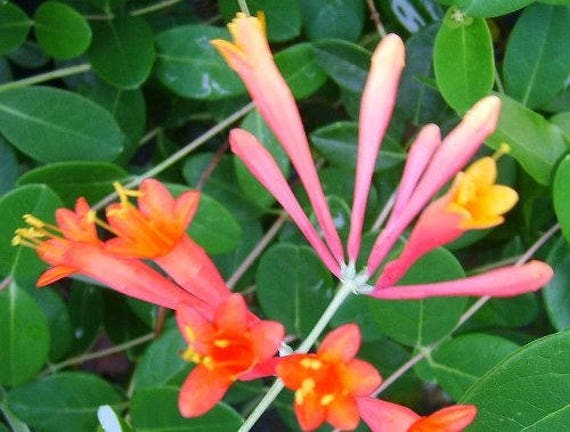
250	56
228	347
382	416
72	247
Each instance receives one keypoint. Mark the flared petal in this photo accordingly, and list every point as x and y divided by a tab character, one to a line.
262	165
76	224
251	58
455	151
201	391
454	418
497	200
194	326
310	413
376	106
266	337
232	315
189	266
342	413
341	344
360	378
502	282
53	274
382	416
421	152
291	372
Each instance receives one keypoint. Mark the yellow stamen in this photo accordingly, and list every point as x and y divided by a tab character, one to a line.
222	343
125	193
191	356
503	149
309	363
307	387
327	399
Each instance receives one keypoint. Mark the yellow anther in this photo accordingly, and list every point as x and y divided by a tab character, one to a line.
327	399
309	363
191	356
208	362
124	193
307	387
190	334
222	343
33	221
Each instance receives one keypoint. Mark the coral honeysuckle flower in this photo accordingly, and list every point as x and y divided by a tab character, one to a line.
249	55
382	416
474	201
156	229
228	347
72	247
328	383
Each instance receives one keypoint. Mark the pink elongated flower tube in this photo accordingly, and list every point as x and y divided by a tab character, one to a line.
473	202
250	56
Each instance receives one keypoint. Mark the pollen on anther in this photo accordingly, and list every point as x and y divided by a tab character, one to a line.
327	399
221	343
313	364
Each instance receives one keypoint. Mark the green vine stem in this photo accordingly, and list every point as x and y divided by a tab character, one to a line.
48	76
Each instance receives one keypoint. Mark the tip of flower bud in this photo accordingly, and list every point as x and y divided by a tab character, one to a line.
540	271
484	114
390	50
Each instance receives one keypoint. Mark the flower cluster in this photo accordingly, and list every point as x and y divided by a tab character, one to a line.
227	342
225	339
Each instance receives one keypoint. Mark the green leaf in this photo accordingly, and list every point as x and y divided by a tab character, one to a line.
161	363
556	294
28	55
299	68
22	262
24	336
60	30
92	180
490	8
85	306
64	402
293	287
156	410
509	312
344	62
337	142
283	17
530	390
340	19
214	227
122	52
251	188
189	65
463	60
460	362
561	196
535	143
14	26
418	323
52	125
9	171
531	74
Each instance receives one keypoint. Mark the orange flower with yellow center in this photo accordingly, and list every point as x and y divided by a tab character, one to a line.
328	383
232	346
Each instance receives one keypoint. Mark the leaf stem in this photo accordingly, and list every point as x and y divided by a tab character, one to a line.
98	354
36	79
344	291
375	16
154	7
425	351
243	7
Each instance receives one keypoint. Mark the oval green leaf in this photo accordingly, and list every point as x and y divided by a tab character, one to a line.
556	295
339	19
463	60
189	65
418	323
345	63
63	402
460	362
531	74
52	125
122	52
164	400
14	26
85	309
535	143
92	180
61	31
490	8
293	287
530	390
299	68
24	336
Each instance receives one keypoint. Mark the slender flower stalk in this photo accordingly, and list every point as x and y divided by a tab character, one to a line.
250	56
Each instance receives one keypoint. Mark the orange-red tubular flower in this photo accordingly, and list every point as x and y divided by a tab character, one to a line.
328	383
382	416
229	347
72	247
249	55
156	229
